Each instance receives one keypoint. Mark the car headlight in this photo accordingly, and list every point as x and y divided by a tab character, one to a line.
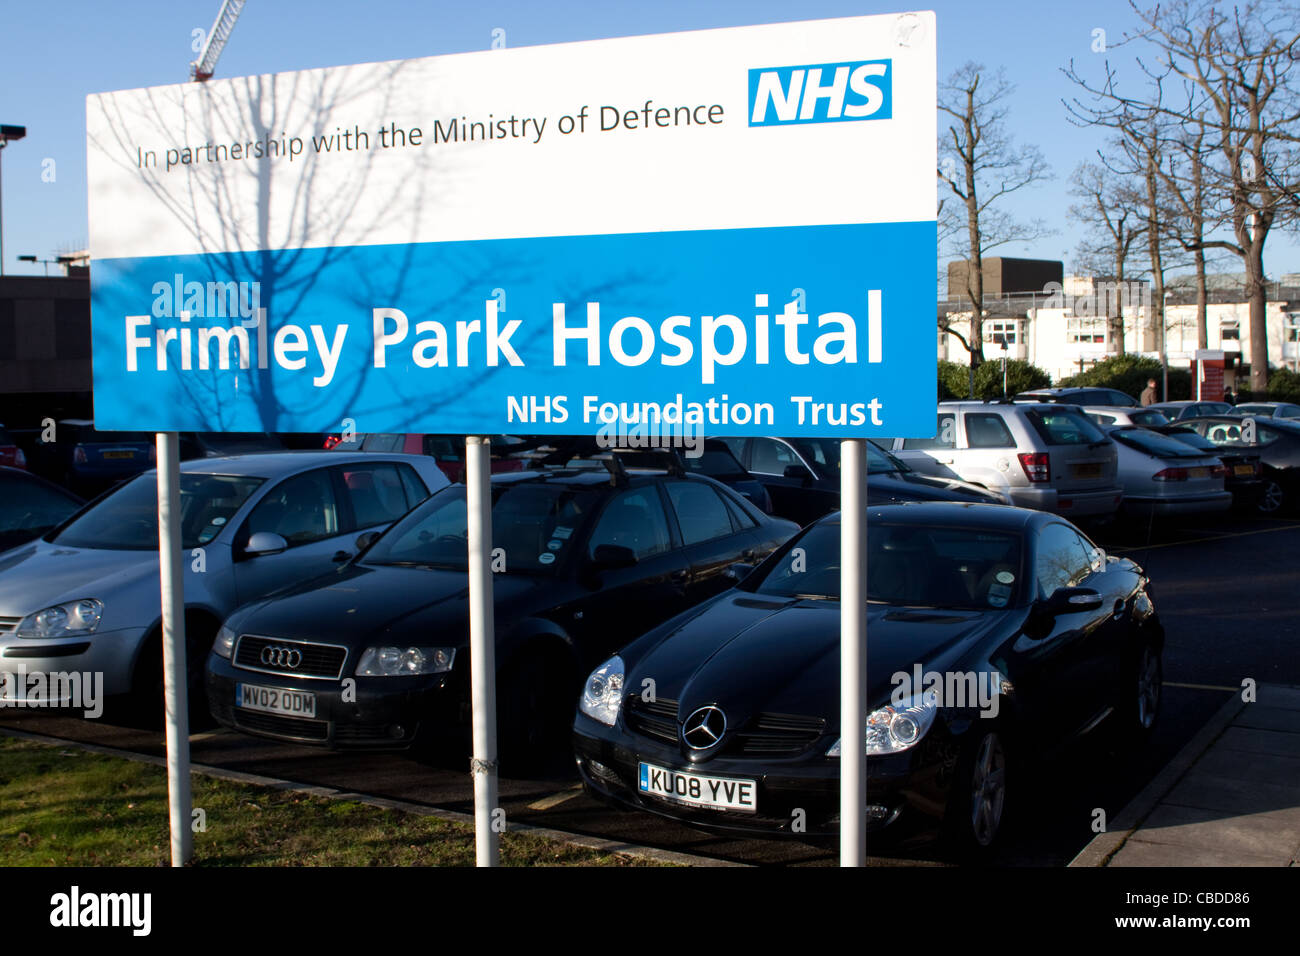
603	694
891	729
63	620
405	661
224	645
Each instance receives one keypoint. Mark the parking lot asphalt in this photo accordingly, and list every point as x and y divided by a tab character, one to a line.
1224	590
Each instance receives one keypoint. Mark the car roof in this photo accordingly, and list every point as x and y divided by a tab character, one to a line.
276	464
589	477
1283	424
971	514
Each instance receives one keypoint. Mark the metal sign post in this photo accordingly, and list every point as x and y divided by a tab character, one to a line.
853	652
482	649
171	579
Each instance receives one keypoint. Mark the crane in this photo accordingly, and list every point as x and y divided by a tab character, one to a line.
201	69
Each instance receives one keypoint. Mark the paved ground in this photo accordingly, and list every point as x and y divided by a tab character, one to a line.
1224	589
1231	799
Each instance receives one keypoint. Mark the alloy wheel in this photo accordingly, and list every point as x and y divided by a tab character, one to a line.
1148	688
1271	500
988	790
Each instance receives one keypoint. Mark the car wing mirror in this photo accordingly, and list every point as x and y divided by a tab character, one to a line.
609	557
738	571
1073	600
265	542
799	473
364	541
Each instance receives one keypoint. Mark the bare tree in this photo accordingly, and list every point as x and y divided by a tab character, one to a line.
1110	206
1240	67
981	165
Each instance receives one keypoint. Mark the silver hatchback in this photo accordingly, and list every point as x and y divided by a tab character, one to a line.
84	598
1048	457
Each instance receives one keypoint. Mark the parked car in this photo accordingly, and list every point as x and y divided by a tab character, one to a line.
1108	415
85	595
717	462
87	461
1244	477
802	476
1080	395
11	456
1162	476
1045	457
447	450
1268	409
30	507
587	562
223	444
1017	608
1277	441
1177	411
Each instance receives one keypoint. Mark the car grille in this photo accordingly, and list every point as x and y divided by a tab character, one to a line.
9	624
298	727
318	660
657	718
778	735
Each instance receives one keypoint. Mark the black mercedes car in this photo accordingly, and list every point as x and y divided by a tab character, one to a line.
994	633
375	655
802	476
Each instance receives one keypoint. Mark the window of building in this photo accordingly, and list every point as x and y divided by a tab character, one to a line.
1088	330
995	331
1230	329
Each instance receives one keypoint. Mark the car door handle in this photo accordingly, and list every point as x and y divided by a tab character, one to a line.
341	556
678	577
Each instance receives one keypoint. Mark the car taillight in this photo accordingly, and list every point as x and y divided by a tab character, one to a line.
79	455
20	460
1037	466
1218	471
1170	474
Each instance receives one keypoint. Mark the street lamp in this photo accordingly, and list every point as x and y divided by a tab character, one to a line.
34	259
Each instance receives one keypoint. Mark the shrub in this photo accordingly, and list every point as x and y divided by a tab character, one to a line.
954	379
1129	374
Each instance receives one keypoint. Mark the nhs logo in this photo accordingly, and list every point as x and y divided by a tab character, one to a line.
821	93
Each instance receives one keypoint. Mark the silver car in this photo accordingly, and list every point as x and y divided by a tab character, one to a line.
1048	457
85	597
1113	415
1163	476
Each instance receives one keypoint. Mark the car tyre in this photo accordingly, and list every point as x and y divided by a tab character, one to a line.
146	706
977	816
1272	499
1142	697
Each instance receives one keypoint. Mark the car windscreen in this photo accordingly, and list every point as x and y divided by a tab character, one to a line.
880	462
89	436
716	463
1154	444
239	443
822	453
1064	427
1148	418
535	526
127	519
909	565
1191	438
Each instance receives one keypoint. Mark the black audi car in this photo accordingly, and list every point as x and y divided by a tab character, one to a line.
802	477
994	634
375	655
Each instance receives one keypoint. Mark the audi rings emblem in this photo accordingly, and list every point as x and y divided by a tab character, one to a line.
704	728
274	655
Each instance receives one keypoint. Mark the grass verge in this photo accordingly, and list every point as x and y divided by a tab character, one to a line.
67	807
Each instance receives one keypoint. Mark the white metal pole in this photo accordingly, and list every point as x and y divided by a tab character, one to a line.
175	686
853	652
482	649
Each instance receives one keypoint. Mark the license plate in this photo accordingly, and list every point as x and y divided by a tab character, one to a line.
275	700
1243	471
719	793
119	454
1090	469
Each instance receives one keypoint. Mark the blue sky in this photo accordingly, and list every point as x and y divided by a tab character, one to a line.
55	54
